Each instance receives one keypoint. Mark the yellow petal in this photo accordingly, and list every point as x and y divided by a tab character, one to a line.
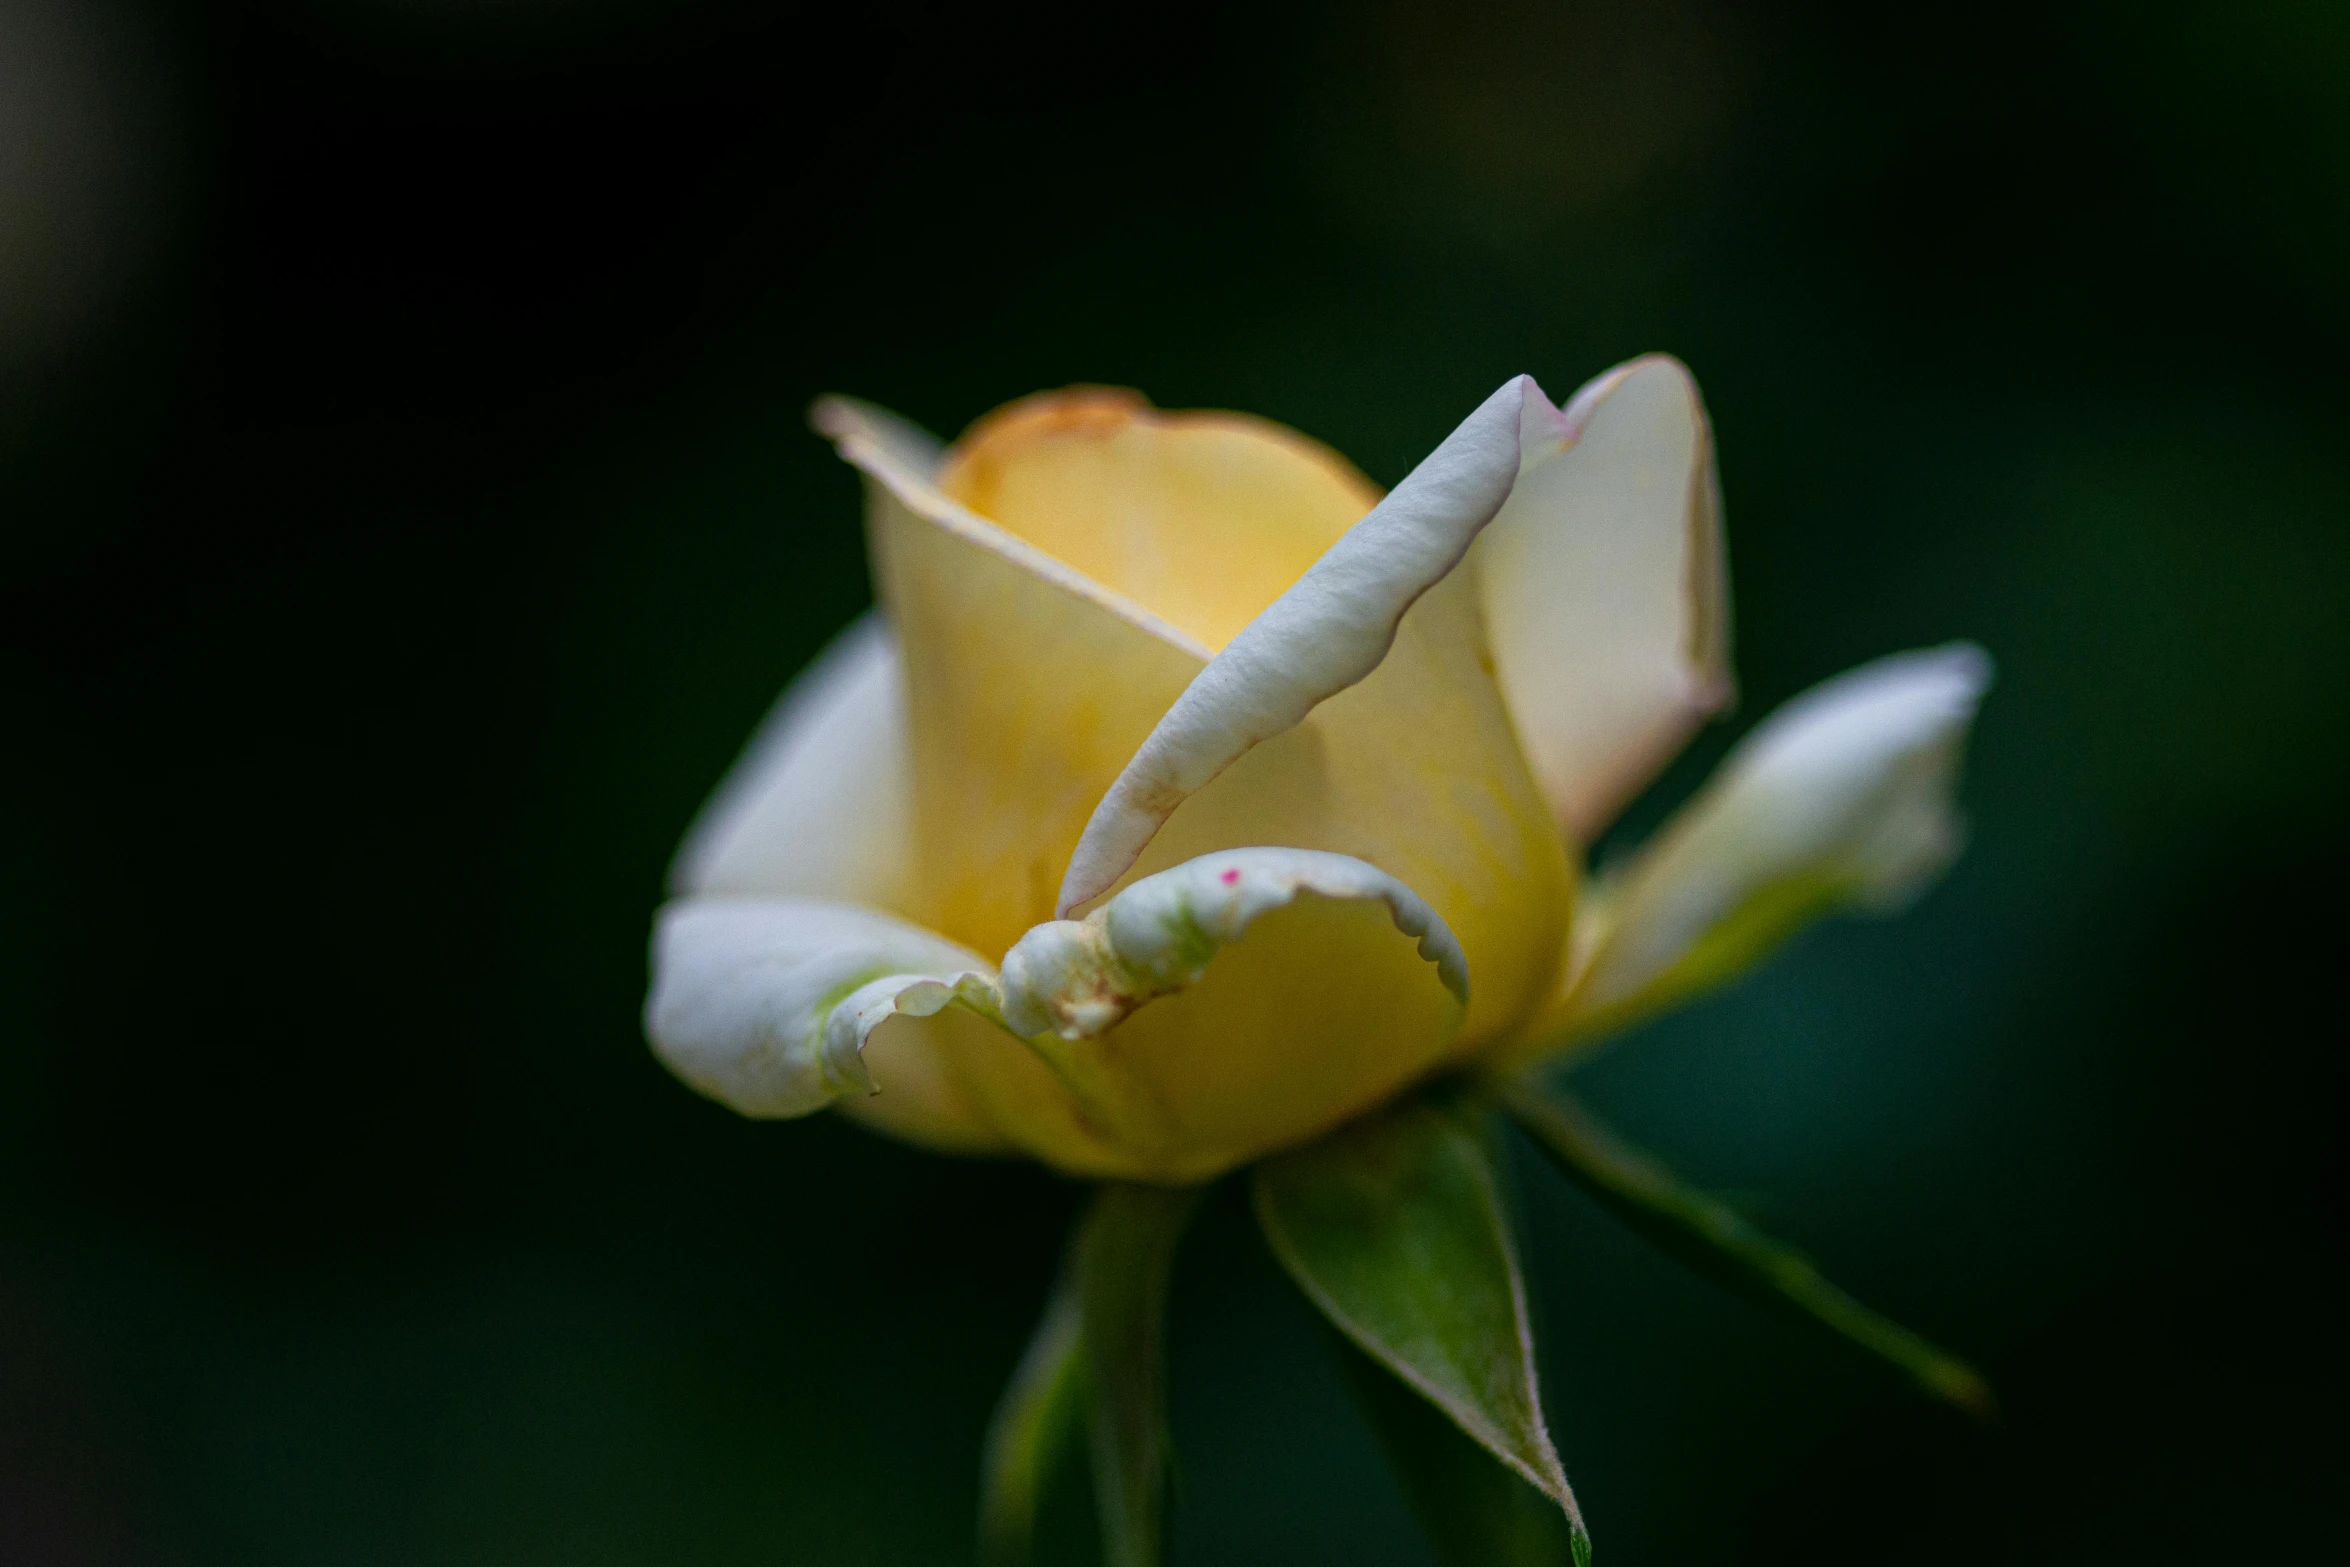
1414	769
1203	518
1028	686
1606	594
1242	1002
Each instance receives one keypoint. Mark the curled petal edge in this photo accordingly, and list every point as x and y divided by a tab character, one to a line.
869	1006
1077	979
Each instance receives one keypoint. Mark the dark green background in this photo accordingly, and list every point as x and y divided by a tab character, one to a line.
400	550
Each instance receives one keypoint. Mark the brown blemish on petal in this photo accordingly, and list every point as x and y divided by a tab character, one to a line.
973	467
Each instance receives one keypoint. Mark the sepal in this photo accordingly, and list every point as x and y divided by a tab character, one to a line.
1394	1227
1475	1512
1717	1240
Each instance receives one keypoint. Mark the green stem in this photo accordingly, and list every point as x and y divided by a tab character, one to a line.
1125	1257
1041	1412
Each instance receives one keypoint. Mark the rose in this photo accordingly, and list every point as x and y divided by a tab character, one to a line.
1189	803
1187	799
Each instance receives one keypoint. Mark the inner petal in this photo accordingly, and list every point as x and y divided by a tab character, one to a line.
1202	518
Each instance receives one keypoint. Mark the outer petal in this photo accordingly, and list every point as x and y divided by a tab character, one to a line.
770	1006
1028	686
779	1007
1606	595
820	806
1238	1003
1320	637
1842	798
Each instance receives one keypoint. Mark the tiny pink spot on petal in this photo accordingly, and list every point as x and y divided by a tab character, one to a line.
1231	876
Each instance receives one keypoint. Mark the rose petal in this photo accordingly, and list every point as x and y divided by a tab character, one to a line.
1397	1230
1605	591
767	1005
1205	518
1238	1003
820	805
1028	686
1323	635
1843	798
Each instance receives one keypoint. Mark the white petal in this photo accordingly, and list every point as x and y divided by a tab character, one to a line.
767	1005
820	806
1605	592
1322	636
1843	797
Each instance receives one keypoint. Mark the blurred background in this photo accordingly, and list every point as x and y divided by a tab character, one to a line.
409	512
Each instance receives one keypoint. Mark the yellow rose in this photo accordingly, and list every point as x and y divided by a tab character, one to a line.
1186	798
